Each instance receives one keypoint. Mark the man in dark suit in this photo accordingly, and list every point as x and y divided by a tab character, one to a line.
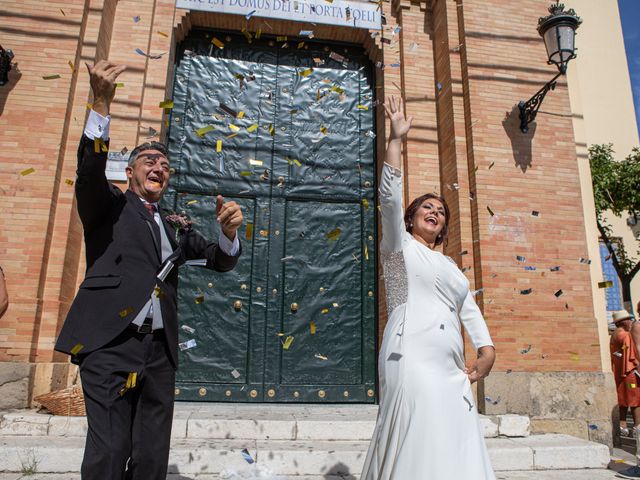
122	327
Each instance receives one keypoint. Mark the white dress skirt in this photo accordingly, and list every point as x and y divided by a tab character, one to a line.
427	426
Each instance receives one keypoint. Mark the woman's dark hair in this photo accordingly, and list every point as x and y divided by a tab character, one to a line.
416	204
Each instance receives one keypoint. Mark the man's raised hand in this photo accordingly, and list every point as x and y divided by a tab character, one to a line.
102	77
229	217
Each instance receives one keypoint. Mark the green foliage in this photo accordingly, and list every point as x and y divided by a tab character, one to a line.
616	189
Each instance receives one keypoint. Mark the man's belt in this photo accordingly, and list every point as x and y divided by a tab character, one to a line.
146	327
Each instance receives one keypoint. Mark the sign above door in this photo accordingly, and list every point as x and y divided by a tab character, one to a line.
344	13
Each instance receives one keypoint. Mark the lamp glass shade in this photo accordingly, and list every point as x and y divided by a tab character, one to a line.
560	43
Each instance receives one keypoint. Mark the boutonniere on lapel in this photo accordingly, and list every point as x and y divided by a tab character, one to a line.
181	223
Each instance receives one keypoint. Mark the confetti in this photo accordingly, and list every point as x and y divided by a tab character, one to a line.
287	343
573	356
255	162
199	299
526	350
51	77
318	61
490	211
321	357
69	182
300	45
439	85
217	43
362	107
312	328
306	33
324	310
77	348
188	329
336	56
62	12
394	357
229	111
130	383
187	345
125	312
282	38
442	326
463	252
323	129
476	292
119	85
607	284
148	55
247	456
413	48
136	19
272	130
249	232
535	213
555	269
558	294
27	171
365	203
520	258
593	427
235	373
218	146
240	115
252	128
250	14
71	66
396	30
529	268
491	166
492	401
162	34
258	33
334	234
201	131
99	145
248	36
306	73
526	292
585	261
166	104
234	128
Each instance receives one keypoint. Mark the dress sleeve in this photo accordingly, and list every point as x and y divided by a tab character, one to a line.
474	323
393	228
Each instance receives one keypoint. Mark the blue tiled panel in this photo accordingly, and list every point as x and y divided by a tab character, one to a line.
614	295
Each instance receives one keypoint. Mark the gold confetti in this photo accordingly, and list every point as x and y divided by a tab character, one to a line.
203	130
297	162
335	304
607	284
324	310
272	130
125	312
632	385
281	38
258	33
218	146
245	173
362	107
240	114
69	182
336	89
301	44
166	104
249	232
71	66
217	43
247	35
191	202
162	34
119	85
287	343
27	171
255	162
321	357
365	203
312	328
306	73
50	77
199	299
323	130
89	106
574	357
252	128
234	128
76	349
99	145
157	292
366	252
334	234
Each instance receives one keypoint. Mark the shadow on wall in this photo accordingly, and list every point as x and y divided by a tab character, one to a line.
339	470
14	77
520	142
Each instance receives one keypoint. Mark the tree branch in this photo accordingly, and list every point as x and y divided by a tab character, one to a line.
612	252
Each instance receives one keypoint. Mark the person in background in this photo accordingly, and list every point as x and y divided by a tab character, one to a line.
4	296
624	363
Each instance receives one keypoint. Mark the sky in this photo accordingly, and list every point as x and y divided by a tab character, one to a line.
630	15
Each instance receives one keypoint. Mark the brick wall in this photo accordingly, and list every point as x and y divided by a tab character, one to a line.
463	65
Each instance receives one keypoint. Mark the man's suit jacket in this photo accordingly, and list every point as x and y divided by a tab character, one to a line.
123	254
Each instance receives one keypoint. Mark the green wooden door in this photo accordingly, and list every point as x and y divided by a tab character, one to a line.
292	141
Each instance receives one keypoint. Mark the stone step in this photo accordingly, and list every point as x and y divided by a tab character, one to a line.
253	422
521	475
289	458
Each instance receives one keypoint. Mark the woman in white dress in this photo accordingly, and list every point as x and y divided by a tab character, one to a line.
427	426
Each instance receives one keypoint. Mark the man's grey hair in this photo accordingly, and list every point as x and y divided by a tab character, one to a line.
161	147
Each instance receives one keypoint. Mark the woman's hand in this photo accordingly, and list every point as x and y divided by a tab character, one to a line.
483	364
399	124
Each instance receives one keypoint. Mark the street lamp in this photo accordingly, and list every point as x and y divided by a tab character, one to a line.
558	30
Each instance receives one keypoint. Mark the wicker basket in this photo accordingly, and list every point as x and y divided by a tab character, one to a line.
67	402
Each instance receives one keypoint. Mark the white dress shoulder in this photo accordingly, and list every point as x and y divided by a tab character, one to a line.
427	426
